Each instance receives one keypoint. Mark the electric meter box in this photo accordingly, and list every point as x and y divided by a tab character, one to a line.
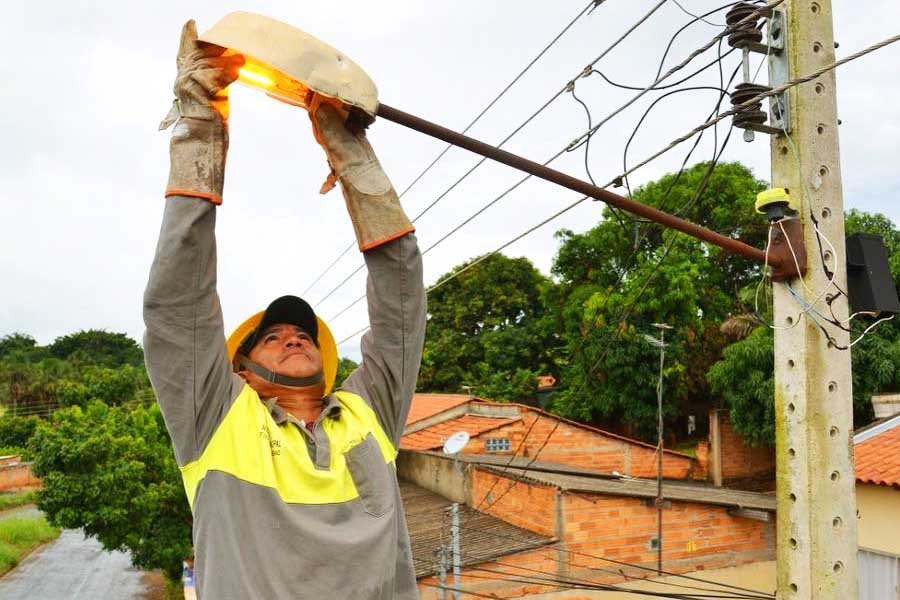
869	282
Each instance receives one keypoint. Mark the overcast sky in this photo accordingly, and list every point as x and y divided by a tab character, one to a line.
83	166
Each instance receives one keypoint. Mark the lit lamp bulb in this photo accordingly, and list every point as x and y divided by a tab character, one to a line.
253	78
274	83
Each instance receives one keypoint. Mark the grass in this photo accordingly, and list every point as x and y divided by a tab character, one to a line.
19	536
16	499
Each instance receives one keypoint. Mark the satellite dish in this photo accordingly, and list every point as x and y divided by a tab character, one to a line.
456	442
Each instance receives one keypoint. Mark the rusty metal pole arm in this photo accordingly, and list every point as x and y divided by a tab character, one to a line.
779	257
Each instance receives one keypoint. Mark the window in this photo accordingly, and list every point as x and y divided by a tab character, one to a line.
497	445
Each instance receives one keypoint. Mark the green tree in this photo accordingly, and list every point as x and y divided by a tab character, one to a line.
487	330
16	342
615	282
98	347
345	367
112	472
110	386
15	432
744	377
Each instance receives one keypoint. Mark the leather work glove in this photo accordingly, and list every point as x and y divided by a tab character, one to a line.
200	112
371	200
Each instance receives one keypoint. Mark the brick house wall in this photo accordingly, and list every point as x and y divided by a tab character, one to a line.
591	527
581	446
736	458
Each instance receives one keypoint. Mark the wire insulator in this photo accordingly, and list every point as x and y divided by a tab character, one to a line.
745	33
753	113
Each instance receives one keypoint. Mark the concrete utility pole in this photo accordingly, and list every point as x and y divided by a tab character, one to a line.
817	530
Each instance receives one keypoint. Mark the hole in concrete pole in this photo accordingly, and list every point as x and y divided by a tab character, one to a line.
835	476
826	213
833	432
836	522
823	170
814	7
838	567
791	407
817	47
820	88
791	362
789	320
794	587
792	452
793	543
793	497
832	386
820	128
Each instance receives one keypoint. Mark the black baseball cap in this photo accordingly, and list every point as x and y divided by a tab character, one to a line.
286	309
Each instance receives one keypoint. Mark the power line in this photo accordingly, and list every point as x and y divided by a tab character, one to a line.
755	15
500	248
620	320
716	154
570	585
583	139
773	92
584	72
621	563
496	98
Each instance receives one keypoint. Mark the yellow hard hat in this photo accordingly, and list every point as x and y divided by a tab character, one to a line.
294	310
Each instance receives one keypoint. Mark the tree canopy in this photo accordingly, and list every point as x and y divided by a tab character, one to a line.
500	322
487	330
112	472
745	375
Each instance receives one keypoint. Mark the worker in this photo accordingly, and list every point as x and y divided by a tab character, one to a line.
292	483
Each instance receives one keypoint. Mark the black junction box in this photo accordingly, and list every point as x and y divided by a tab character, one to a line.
869	282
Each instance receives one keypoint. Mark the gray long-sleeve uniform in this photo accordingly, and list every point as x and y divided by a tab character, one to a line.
279	511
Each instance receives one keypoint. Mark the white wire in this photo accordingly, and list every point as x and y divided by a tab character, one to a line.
870	328
812	313
762	281
806	204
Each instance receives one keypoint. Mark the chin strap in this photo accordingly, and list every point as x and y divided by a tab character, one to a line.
276	378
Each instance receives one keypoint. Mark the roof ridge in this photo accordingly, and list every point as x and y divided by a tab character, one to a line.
876	429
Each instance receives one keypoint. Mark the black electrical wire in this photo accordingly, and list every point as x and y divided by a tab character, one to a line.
569	85
590	5
663	87
627	311
746	593
564	584
620	320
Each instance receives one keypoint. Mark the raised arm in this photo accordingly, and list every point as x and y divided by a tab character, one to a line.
392	349
184	344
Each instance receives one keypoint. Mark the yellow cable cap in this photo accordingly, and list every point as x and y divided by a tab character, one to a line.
774	197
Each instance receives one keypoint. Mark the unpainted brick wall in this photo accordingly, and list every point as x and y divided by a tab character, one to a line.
17	476
695	536
593	527
583	447
530	506
738	459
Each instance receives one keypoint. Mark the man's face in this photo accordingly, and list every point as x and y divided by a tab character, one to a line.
287	350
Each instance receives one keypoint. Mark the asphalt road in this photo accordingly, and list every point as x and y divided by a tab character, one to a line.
73	568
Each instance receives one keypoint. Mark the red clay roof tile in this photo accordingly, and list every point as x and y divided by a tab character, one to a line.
428	405
433	438
878	458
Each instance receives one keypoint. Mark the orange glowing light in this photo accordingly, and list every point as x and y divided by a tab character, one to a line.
255	79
